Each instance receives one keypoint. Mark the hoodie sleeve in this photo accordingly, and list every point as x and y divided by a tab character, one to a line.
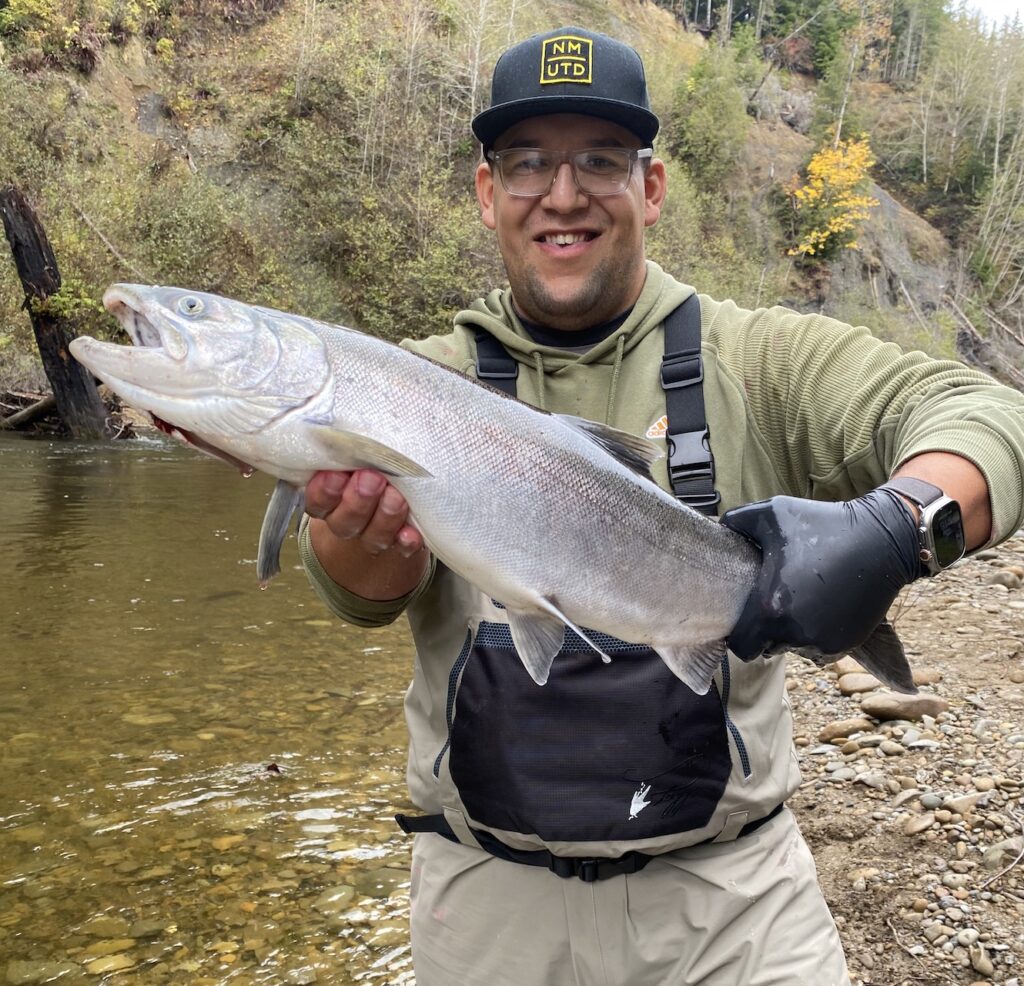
346	605
840	410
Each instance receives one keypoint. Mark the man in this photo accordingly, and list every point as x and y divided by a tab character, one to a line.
529	868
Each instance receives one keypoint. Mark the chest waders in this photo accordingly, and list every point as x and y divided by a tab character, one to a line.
625	753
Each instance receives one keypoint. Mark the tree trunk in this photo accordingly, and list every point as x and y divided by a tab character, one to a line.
74	390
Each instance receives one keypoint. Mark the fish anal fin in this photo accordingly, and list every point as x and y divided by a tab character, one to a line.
695	666
347	450
537	638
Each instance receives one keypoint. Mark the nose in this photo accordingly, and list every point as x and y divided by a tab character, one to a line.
564	195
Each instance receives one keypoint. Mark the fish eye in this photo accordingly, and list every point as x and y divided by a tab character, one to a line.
190	305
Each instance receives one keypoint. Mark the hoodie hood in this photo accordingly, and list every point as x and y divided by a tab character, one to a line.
495	314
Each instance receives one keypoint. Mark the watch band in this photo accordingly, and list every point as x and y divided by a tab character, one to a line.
918	490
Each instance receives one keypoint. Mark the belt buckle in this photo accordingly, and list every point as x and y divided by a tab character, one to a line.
588	870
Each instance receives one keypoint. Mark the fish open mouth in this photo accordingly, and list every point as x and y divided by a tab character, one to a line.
164	338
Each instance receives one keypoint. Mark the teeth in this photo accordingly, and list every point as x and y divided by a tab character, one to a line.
565	239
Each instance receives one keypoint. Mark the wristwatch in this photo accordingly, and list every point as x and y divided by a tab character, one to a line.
940	527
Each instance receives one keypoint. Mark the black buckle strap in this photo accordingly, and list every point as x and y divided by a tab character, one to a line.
589	869
493	363
691	469
691	466
681	369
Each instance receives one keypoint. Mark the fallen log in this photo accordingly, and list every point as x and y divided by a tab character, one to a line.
74	390
28	414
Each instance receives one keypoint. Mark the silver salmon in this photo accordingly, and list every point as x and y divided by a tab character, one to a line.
554	517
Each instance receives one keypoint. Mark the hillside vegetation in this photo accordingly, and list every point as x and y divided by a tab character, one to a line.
315	155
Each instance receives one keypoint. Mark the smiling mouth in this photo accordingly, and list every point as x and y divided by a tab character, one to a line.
566	239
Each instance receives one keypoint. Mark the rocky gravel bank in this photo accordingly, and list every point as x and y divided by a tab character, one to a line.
913	804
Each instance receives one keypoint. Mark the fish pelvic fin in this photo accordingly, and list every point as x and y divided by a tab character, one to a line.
552	607
537	638
882	654
633	452
347	450
694	666
285	501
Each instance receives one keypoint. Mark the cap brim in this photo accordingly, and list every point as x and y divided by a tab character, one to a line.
489	125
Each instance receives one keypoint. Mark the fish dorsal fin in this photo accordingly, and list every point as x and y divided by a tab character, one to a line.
346	450
632	451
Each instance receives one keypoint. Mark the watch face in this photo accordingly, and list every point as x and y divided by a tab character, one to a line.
948	534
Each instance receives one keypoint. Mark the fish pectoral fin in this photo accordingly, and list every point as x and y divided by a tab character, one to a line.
537	638
348	450
285	501
882	654
634	452
694	666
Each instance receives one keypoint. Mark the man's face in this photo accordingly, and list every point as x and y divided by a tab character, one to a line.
598	270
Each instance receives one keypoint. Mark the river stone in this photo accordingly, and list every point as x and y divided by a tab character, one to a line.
25	973
1001	853
844	728
927	676
890	705
380	882
962	805
106	926
109	946
334	900
850	684
1004	577
224	842
847	665
918	823
110	963
149	928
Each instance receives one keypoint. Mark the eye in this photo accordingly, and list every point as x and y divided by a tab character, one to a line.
190	305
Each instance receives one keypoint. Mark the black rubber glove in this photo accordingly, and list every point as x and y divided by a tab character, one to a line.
829	571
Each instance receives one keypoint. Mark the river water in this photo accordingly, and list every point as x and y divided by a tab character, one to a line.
197	778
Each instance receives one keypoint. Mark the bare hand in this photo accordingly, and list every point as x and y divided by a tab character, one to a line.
362	506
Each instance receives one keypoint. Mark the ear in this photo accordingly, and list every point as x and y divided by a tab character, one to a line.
485	193
655	189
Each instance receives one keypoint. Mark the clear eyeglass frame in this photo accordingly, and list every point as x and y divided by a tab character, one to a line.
585	164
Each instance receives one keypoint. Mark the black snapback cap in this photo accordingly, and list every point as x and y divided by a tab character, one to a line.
569	70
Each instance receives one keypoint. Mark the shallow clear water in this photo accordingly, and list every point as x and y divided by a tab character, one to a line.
146	685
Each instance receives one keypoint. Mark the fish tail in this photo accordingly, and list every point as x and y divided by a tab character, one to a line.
882	654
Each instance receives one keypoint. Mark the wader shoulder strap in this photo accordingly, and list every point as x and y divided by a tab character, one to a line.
493	363
691	467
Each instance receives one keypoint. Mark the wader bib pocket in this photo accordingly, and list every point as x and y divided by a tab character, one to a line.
616	752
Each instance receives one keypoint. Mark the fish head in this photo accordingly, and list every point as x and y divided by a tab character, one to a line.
206	365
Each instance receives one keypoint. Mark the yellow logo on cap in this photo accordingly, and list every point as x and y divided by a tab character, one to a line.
566	59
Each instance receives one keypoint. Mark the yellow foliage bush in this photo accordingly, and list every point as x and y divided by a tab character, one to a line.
832	203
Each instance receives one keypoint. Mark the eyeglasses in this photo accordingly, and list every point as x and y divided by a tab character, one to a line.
531	171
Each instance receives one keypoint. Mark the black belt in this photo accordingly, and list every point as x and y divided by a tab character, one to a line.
586	868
